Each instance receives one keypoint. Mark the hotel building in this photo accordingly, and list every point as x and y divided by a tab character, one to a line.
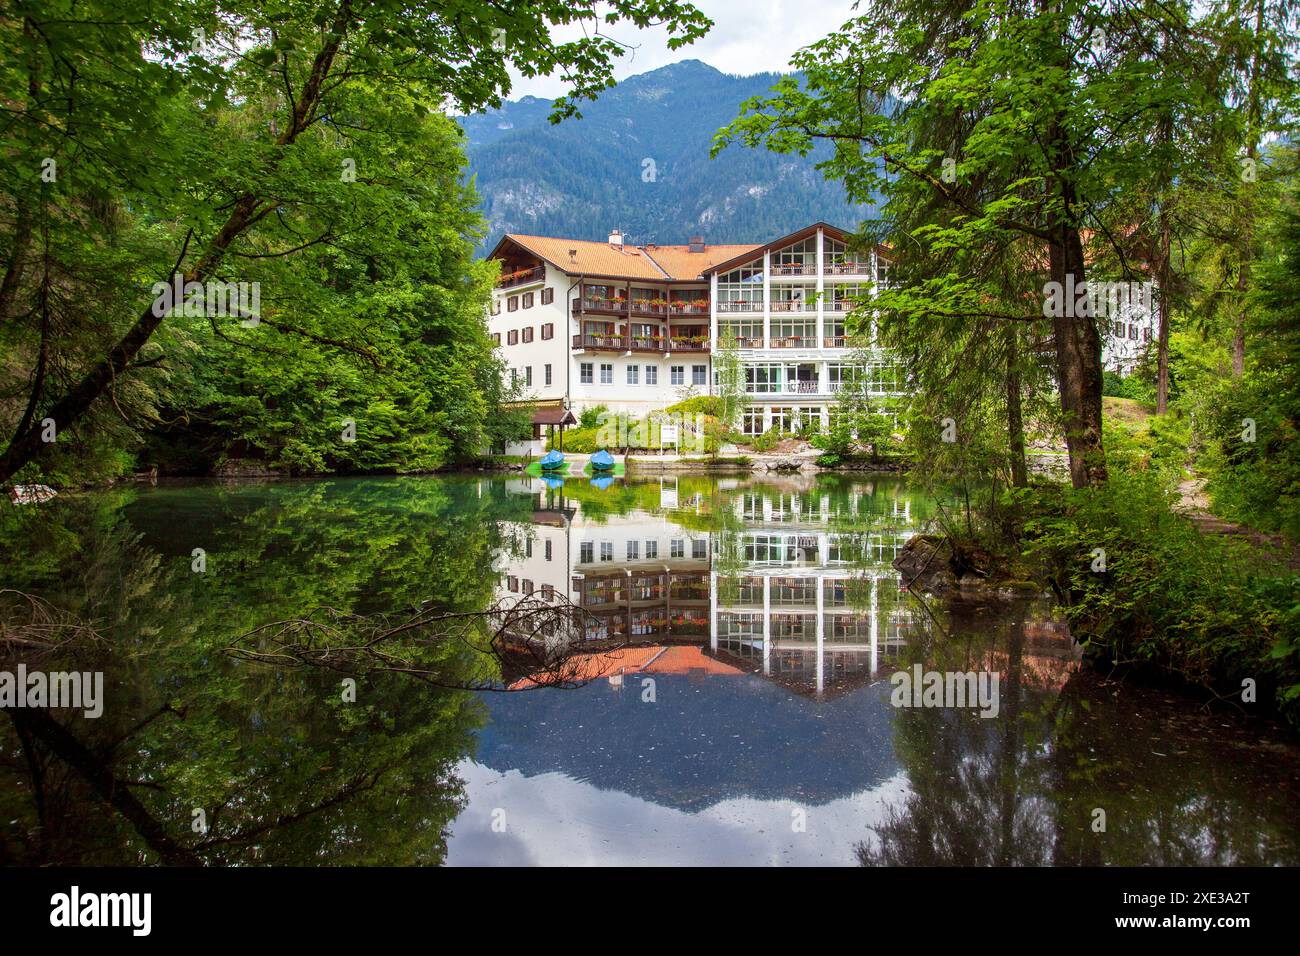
633	328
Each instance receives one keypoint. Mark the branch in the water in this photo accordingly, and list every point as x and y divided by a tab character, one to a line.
33	627
541	638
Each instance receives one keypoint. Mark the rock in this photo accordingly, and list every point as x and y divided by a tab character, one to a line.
924	562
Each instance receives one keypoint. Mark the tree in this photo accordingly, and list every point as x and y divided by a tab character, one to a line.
729	373
238	134
1012	119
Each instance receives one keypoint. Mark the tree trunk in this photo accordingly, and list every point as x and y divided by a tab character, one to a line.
1162	334
1015	420
1078	365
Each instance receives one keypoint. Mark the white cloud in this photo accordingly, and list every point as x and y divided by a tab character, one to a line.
747	37
554	820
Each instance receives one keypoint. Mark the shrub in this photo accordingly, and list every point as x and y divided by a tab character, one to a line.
1207	609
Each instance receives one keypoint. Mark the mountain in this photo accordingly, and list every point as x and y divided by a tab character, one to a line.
639	160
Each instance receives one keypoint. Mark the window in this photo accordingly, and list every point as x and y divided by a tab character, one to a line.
699	374
548	296
677	375
677	548
652	375
699	548
512	583
528	548
496	339
584	373
606	373
512	337
528	376
528	587
528	300
496	306
633	550
751	422
548	550
528	334
633	373
512	304
652	549
548	592
548	330
547	373
586	553
607	551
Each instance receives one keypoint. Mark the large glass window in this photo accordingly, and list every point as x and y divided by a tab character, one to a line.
741	290
763	379
748	332
794	298
795	260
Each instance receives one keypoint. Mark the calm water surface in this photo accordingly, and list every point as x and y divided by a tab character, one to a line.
716	690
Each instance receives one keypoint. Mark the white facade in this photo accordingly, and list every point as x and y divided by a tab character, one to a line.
786	310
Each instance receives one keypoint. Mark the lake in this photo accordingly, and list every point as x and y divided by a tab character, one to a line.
504	670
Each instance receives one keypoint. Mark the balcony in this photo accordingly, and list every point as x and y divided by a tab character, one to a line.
839	307
606	343
600	306
749	341
835	342
794	342
646	343
740	306
692	307
688	343
793	305
794	269
657	307
847	268
522	277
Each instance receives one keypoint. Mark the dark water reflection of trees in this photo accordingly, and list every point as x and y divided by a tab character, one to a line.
1178	785
282	769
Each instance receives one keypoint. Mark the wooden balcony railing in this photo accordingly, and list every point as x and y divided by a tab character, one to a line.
835	342
749	341
521	276
797	269
793	306
696	307
740	306
644	307
794	342
646	343
694	343
615	306
609	342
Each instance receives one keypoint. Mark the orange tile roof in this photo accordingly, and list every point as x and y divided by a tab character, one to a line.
654	263
592	258
680	263
637	659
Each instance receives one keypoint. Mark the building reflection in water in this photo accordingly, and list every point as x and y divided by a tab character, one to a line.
784	579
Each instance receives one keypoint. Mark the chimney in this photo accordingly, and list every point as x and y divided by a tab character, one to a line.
697	244
616	238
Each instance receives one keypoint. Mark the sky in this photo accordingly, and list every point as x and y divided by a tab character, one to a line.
748	36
